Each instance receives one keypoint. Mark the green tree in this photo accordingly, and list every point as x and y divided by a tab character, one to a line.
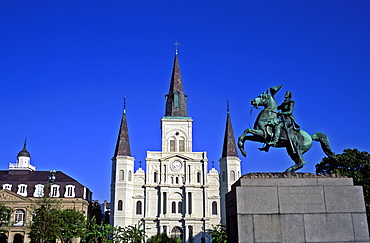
163	238
351	163
98	233
72	224
45	221
135	233
5	213
218	233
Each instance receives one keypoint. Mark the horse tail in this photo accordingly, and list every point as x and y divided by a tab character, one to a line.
324	141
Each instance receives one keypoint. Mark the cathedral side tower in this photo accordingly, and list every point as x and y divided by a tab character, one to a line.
122	184
229	165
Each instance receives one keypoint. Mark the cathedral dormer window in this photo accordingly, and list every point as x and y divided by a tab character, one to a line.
39	190
70	191
54	191
176	100
22	190
7	187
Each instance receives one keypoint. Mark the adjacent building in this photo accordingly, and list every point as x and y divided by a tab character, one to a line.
21	185
176	193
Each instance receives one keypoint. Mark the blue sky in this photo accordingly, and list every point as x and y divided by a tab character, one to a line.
65	67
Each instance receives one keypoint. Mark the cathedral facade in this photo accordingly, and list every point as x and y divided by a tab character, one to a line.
176	194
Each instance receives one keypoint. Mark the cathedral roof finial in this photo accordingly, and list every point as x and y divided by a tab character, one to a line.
124	104
176	47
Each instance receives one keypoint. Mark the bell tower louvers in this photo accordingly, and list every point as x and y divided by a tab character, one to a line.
229	165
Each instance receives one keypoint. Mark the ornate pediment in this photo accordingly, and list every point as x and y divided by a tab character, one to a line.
6	195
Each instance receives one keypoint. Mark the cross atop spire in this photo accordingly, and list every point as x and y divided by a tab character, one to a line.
176	46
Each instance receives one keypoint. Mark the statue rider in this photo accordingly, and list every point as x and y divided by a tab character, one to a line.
286	116
287	120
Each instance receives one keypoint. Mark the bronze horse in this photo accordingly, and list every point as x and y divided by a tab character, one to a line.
296	141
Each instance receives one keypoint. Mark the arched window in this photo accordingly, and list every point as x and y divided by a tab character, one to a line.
120	206
155	177
19	217
18	238
172	146
232	175
172	180
223	176
122	175
138	207
181	146
198	177
179	209
129	175
177	180
173	207
214	208
176	232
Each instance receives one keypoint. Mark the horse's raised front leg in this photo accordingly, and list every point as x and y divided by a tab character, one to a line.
241	141
243	138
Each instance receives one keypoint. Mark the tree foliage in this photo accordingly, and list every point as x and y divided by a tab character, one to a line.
218	233
130	234
45	221
5	213
351	163
72	224
50	222
98	233
163	238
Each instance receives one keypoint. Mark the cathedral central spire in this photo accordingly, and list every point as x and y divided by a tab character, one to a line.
176	99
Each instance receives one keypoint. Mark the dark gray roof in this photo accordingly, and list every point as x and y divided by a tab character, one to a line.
32	178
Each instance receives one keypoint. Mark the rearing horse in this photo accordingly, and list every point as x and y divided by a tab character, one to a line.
296	142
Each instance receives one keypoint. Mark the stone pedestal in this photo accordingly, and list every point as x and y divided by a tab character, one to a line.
296	207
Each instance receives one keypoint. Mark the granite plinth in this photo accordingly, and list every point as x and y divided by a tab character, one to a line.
295	207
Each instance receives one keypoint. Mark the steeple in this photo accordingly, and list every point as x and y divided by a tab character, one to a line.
123	142
24	151
229	148
176	99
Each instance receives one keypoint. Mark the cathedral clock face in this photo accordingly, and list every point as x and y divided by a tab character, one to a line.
176	165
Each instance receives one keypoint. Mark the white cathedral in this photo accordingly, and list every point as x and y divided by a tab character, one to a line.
176	193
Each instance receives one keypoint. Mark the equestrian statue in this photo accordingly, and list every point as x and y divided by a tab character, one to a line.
280	130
